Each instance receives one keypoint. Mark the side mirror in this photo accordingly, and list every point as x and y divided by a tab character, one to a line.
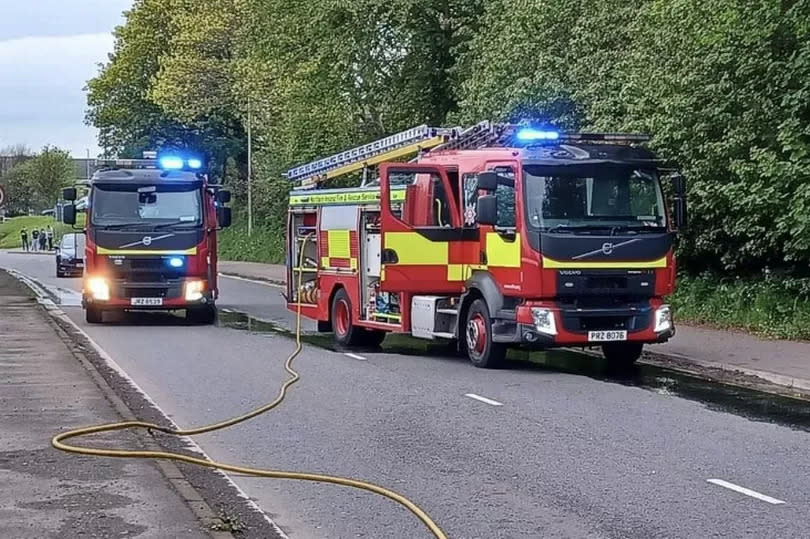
69	214
487	210
223	196
680	216
69	193
680	213
488	181
224	217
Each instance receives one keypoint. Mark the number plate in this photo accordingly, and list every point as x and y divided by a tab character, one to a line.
146	302
603	336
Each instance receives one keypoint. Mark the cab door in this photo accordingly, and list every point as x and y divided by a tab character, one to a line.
420	220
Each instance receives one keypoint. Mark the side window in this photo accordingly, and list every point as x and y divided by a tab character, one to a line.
419	199
505	195
470	198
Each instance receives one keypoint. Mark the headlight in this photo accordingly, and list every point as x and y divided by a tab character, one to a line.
99	288
663	319
194	290
544	320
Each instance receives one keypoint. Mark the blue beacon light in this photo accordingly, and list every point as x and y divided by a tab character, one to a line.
195	163
529	134
171	163
176	262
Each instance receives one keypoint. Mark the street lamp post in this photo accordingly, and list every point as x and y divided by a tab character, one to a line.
250	170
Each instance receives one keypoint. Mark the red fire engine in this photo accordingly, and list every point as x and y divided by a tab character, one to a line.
151	237
493	236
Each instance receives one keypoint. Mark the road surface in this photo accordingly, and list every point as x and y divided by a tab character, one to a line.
557	449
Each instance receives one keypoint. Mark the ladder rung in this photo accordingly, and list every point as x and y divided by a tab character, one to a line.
366	151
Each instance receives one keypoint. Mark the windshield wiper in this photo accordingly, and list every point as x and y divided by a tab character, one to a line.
574	228
123	226
635	228
174	223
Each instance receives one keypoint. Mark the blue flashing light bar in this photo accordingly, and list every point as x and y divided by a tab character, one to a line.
529	134
171	162
194	163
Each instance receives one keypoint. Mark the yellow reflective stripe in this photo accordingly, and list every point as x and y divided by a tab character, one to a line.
349	197
103	251
414	249
575	264
353	263
455	272
502	253
324	261
338	243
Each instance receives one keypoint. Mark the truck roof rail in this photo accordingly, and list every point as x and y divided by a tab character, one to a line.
127	163
424	138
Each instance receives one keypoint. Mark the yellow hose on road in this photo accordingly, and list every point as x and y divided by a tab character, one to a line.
58	440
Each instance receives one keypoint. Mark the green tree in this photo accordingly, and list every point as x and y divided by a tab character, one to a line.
36	182
118	101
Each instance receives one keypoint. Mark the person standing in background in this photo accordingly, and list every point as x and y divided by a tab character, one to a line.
24	237
43	240
35	240
49	233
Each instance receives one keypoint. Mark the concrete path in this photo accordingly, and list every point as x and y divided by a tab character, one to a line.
46	493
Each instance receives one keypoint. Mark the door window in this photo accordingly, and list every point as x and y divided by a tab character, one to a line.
419	199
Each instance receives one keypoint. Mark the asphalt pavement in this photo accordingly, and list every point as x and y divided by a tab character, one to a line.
551	447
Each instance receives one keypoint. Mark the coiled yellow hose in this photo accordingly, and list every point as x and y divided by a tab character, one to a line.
59	439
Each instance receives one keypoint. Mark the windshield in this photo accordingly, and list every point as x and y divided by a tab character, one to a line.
597	197
72	242
148	205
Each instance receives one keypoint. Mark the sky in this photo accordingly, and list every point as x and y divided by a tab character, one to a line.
48	51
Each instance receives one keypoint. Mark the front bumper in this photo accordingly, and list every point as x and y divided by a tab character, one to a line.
71	264
148	296
572	326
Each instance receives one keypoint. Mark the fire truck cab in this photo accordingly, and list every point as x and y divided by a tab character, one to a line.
151	232
520	237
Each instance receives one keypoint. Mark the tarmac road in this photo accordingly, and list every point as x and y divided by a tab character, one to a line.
538	450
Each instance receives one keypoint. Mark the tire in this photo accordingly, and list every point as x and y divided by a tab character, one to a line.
373	338
482	351
59	273
346	333
93	315
622	355
206	315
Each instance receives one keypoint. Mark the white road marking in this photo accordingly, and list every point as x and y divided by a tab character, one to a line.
55	311
354	356
483	399
746	491
254	281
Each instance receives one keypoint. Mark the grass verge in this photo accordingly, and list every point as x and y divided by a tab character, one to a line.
266	244
10	230
776	308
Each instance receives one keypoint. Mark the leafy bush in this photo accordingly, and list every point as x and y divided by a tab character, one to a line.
772	307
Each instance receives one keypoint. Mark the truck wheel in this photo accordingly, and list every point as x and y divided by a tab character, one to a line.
93	315
481	350
202	315
622	354
346	333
